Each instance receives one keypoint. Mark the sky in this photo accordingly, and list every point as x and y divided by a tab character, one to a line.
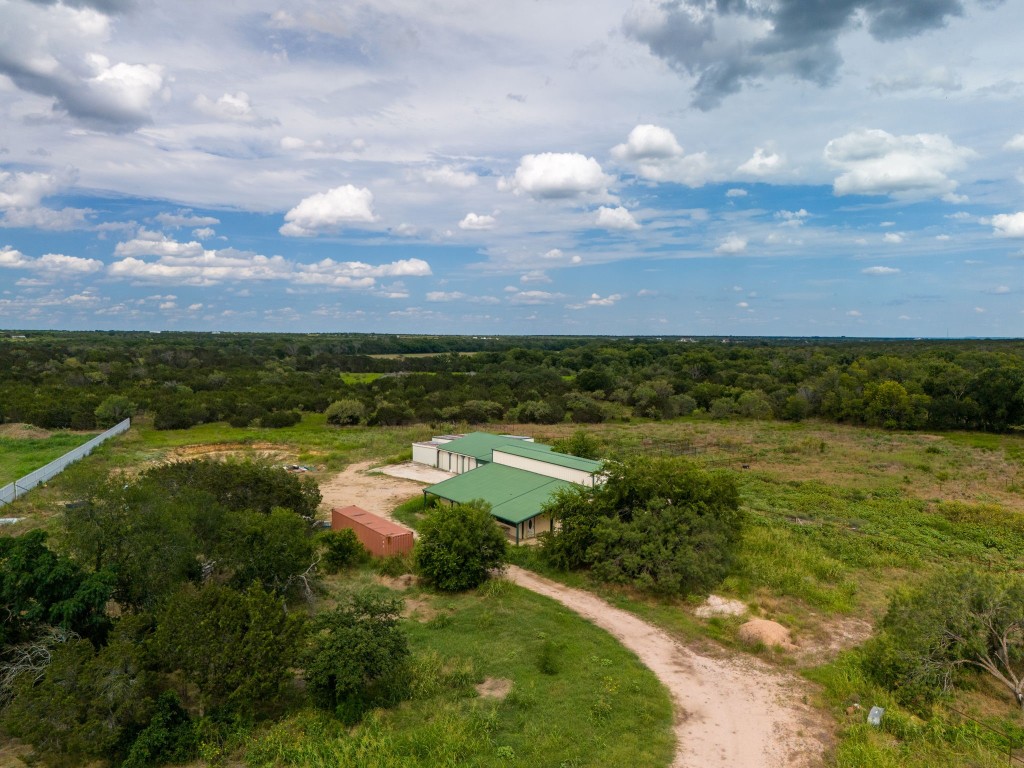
657	167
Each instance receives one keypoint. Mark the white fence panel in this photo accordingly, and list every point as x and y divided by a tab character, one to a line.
23	485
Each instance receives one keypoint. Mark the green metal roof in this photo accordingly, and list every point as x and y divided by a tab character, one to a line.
529	451
480	444
515	495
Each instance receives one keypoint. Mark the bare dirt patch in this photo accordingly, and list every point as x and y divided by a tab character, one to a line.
397	583
494	688
375	493
419	610
276	454
730	711
831	637
720	606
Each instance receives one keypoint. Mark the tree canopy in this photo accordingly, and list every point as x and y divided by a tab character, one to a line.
660	524
953	624
458	546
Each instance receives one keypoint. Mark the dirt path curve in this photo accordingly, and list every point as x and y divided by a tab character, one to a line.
729	712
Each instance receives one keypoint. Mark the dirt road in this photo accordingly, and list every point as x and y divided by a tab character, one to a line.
375	493
734	712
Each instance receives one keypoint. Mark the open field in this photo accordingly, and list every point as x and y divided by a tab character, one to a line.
26	449
482	699
838	517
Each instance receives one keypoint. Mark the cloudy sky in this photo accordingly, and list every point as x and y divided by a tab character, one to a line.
754	167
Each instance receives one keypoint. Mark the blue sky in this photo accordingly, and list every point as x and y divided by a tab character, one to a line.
752	167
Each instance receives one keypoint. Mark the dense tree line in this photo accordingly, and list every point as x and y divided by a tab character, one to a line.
87	380
171	609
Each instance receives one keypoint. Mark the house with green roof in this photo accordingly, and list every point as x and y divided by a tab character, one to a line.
515	475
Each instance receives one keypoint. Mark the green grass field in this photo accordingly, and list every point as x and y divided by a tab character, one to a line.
19	456
593	705
838	518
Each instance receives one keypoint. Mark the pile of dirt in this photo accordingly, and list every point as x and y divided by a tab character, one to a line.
766	632
720	606
23	432
494	688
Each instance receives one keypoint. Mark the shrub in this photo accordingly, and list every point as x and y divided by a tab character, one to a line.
660	524
343	413
358	656
114	410
169	738
280	419
459	545
342	549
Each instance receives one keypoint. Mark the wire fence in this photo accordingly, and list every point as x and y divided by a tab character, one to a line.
1014	755
23	485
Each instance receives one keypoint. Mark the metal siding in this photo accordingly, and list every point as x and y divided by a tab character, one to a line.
544	468
378	544
425	454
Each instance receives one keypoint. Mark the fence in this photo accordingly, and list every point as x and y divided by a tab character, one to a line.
20	487
1014	755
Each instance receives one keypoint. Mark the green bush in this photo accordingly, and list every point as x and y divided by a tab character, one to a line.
660	524
342	549
168	738
458	546
358	657
343	413
280	419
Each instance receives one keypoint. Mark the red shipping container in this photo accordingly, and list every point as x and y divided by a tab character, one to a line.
380	536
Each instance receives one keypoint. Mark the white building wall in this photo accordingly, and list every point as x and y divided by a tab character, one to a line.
578	476
424	454
454	462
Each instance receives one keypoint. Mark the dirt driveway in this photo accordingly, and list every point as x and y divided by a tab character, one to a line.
374	492
729	711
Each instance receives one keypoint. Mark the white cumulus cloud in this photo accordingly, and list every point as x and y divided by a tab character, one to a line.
657	156
893	237
474	221
558	175
762	163
1008	224
732	244
616	218
447	176
51	265
329	211
876	162
596	300
191	264
880	271
1016	143
445	295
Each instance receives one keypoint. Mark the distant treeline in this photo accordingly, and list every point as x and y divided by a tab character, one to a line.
86	380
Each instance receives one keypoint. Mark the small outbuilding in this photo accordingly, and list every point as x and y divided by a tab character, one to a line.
380	536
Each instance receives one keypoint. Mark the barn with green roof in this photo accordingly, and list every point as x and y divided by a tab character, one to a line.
513	474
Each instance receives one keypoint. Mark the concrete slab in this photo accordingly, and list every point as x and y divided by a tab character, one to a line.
418	472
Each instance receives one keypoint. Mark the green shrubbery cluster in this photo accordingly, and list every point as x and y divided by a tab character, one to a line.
206	562
660	524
